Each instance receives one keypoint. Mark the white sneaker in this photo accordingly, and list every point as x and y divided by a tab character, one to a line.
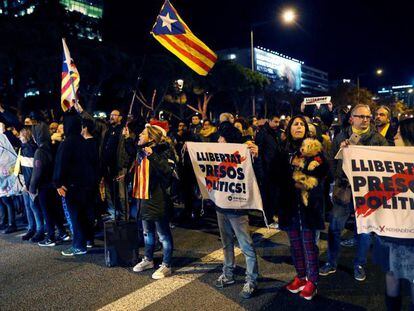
162	272
143	265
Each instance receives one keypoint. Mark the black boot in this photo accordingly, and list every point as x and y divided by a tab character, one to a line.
29	234
393	303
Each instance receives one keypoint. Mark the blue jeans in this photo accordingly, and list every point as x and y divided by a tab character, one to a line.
8	204
340	214
33	213
52	213
163	230
228	223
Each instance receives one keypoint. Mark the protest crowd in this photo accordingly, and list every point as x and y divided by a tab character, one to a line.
70	176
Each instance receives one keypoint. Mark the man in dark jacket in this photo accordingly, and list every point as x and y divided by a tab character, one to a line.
362	134
41	185
115	164
268	140
71	179
114	159
383	124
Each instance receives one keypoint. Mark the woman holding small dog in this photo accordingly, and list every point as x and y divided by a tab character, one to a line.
301	213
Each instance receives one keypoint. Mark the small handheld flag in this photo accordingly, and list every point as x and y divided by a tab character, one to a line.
70	79
171	31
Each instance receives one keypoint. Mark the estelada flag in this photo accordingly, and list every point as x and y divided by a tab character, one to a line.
171	31
140	188
70	79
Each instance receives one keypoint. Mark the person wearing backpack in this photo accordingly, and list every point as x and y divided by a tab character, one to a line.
153	175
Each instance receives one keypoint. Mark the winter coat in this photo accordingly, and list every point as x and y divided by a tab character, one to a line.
42	174
159	205
371	138
27	153
293	214
70	164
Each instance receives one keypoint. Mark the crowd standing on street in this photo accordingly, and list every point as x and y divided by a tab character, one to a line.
80	171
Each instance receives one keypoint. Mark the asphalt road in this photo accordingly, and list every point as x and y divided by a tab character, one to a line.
35	278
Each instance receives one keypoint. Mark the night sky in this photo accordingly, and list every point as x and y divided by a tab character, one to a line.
344	38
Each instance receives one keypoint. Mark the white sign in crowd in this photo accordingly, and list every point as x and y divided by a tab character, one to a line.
225	175
382	182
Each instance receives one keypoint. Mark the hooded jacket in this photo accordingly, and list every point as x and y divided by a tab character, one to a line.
27	153
70	157
43	159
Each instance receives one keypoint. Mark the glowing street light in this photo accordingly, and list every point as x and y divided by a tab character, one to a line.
379	72
289	16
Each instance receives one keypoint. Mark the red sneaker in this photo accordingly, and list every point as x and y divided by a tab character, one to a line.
296	285
309	291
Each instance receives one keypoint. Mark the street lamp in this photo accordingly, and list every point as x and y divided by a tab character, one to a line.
378	72
289	16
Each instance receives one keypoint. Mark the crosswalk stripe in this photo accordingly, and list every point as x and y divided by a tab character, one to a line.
151	293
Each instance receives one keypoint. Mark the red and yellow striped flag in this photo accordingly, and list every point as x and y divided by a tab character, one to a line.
70	79
171	31
140	188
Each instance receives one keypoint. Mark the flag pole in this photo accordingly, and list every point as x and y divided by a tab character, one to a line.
68	63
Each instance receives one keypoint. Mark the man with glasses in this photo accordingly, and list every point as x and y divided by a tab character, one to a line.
361	133
383	124
115	161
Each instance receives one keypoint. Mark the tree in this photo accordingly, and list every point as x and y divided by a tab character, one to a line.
347	94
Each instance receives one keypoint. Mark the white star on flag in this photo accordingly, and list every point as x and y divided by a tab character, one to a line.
167	21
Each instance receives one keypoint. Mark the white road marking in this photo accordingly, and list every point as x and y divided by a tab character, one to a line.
151	293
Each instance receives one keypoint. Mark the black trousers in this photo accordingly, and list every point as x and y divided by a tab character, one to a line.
80	203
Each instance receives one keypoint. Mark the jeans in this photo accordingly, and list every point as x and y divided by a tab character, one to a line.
8	204
163	230
228	223
33	213
52	213
340	214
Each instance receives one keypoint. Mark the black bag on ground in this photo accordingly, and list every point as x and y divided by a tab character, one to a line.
121	243
121	239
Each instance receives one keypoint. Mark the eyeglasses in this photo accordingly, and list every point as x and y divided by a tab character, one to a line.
361	116
114	115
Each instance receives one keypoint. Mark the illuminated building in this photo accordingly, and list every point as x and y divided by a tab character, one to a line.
404	93
284	71
84	16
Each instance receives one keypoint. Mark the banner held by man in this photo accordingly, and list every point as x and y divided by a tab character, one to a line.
382	182
225	175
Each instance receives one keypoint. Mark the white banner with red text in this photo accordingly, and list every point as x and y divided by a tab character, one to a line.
382	182
225	175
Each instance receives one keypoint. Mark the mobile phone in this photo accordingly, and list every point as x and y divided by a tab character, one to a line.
354	139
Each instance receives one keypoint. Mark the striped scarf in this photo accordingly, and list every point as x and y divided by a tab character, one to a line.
140	189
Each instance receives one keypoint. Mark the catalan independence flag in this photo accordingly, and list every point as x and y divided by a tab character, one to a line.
171	31
140	187
70	79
